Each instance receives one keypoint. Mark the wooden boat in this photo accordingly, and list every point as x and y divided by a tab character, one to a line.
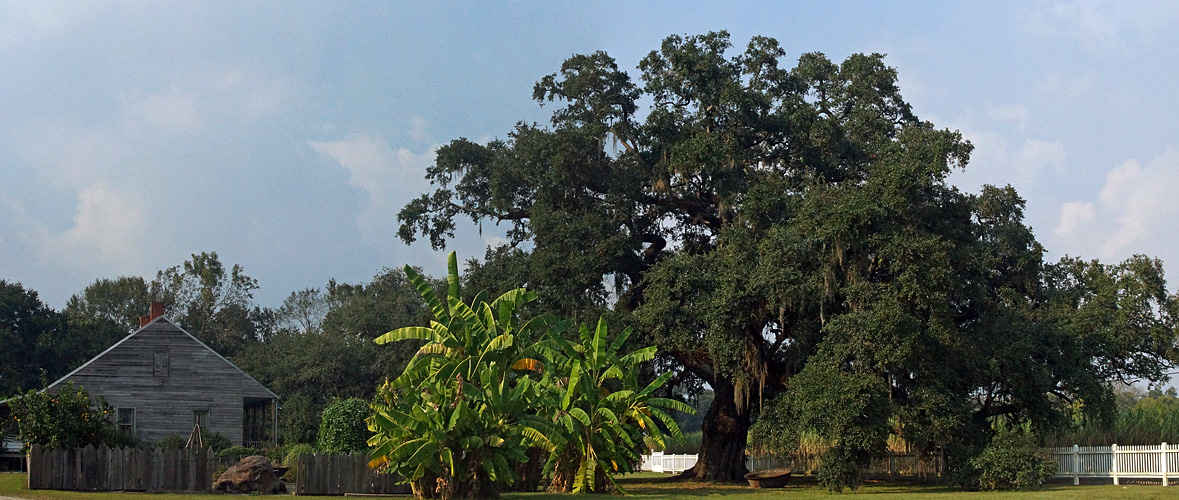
769	478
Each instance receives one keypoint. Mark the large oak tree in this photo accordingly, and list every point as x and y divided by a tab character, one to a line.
790	232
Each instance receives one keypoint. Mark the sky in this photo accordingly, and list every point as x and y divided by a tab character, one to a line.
286	135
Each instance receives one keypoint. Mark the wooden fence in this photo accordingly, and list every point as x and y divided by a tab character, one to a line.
122	469
1115	462
337	474
895	465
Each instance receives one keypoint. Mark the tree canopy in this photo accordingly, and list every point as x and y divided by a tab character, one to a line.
789	235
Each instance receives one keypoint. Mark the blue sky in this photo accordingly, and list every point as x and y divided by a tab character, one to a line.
285	136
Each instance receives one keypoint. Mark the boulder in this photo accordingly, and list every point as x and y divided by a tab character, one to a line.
254	473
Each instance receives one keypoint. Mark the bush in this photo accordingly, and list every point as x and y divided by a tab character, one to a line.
292	458
215	440
68	419
1013	461
342	428
171	443
239	452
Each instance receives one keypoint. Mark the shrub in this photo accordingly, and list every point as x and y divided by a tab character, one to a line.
342	427
171	443
239	452
1013	461
291	459
215	440
68	419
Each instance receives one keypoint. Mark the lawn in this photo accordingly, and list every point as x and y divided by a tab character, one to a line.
651	487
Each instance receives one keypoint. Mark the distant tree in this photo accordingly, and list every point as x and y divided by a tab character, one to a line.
32	337
120	301
210	301
304	310
310	367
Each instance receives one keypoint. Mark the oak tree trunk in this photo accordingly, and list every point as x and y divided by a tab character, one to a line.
722	448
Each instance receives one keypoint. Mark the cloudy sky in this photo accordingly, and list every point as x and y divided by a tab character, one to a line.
285	136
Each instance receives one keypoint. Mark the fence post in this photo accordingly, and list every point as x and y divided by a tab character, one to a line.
1163	462
1076	465
1113	462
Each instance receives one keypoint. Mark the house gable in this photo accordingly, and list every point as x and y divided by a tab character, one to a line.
165	375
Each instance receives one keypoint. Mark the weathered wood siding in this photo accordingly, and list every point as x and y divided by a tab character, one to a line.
129	376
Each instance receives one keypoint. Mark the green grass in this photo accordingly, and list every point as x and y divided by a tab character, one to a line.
650	486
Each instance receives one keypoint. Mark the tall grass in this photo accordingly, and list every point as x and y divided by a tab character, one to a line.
1152	420
688	445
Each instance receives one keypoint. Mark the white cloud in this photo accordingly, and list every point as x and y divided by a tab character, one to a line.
208	98
109	231
1110	27
1059	88
417	131
1015	115
1135	212
24	22
999	159
387	177
1074	215
174	109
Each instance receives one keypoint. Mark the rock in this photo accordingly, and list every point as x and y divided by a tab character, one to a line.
251	474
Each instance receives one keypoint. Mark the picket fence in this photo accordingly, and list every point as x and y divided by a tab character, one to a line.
894	465
121	469
1076	462
338	474
1117	462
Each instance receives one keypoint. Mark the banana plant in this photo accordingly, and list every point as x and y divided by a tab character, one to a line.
460	416
601	416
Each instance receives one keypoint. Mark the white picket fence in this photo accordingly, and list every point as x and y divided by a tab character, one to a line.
1114	462
1140	462
658	462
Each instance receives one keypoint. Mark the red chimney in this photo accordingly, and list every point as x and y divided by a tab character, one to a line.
157	310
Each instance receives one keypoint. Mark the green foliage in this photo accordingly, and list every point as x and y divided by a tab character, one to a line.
110	303
756	215
337	358
67	419
239	452
1013	460
172	443
841	406
457	418
1142	418
215	440
291	458
34	341
211	301
342	428
686	445
601	412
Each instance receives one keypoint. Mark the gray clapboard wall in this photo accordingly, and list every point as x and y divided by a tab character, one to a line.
166	374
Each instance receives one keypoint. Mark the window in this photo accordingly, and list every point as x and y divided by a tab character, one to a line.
126	420
201	418
160	366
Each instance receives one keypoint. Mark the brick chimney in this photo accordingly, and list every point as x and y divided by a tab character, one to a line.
157	310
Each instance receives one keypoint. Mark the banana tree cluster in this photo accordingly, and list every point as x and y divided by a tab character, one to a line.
487	385
601	414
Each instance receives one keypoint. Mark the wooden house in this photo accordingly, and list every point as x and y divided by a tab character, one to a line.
161	381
